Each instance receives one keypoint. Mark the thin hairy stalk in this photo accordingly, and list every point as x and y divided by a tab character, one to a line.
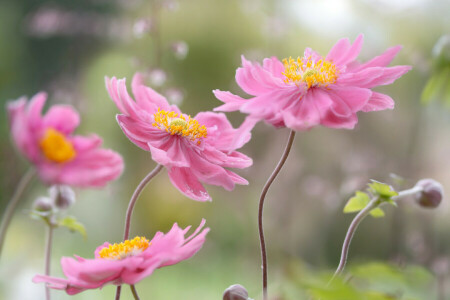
131	205
350	233
48	255
357	220
261	208
135	196
9	211
118	290
133	290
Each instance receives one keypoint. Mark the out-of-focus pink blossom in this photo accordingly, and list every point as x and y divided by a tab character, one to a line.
194	150
60	157
128	262
314	90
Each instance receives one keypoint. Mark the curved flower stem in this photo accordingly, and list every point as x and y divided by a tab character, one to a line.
9	211
350	233
48	254
261	207
131	205
135	196
133	290
357	220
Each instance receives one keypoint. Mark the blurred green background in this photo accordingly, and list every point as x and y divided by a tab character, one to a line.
187	49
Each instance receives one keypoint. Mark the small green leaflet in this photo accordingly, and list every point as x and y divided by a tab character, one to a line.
358	202
382	190
73	225
377	213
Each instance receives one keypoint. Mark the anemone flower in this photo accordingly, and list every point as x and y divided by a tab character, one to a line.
194	150
60	157
314	90
128	262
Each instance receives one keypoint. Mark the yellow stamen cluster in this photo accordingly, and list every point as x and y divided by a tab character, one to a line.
313	73
56	147
127	248
175	123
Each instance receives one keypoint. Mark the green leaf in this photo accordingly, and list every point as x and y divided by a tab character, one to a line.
73	225
356	203
377	213
382	190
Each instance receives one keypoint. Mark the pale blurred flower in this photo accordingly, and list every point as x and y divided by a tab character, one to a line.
174	96
157	77
180	49
141	28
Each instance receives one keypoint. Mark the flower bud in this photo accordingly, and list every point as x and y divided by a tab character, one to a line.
431	194
43	204
62	195
235	292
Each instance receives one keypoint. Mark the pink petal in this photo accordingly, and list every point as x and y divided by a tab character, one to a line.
187	183
147	98
274	66
338	50
85	143
352	52
62	118
382	60
378	102
232	102
255	80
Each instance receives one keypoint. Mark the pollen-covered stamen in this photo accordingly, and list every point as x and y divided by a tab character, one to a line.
175	123
125	249
313	73
56	147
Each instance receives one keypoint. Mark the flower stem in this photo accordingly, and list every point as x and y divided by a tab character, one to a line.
131	205
48	254
133	290
357	220
261	207
135	196
9	211
350	233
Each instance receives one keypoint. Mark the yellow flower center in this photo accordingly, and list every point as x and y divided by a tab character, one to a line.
175	123
56	147
125	249
313	73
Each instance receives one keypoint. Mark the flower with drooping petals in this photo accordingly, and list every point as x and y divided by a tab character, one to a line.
314	90
128	262
194	150
60	157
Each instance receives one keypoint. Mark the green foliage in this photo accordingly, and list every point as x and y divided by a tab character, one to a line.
369	281
382	190
73	225
357	202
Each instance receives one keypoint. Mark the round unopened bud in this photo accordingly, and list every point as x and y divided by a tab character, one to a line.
432	193
235	292
43	204
62	195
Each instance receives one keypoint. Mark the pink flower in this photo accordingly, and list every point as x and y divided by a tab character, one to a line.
314	90
194	150
128	262
60	157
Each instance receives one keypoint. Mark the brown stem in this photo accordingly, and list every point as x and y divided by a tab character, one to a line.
133	290
48	255
131	205
261	207
9	211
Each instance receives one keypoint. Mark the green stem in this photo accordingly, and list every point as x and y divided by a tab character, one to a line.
9	211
